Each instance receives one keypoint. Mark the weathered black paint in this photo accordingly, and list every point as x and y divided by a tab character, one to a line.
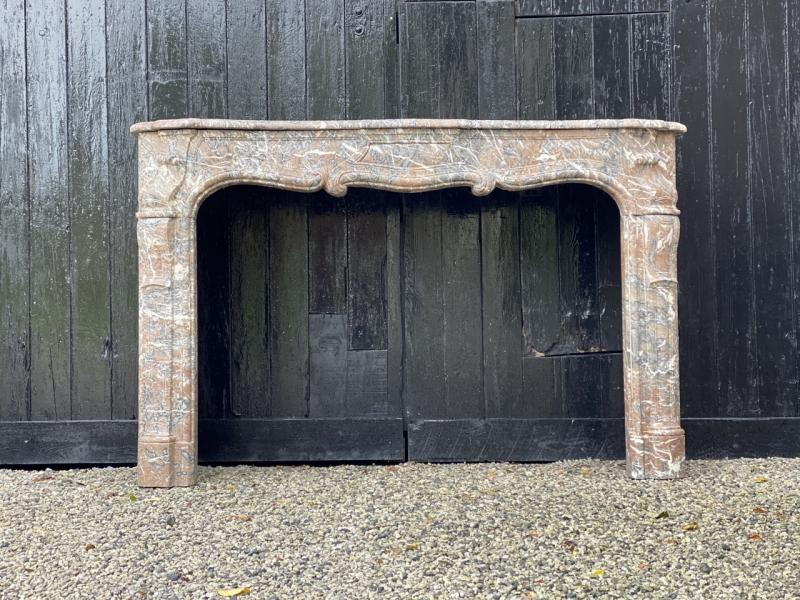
541	266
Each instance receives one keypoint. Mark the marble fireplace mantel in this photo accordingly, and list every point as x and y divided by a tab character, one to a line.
181	162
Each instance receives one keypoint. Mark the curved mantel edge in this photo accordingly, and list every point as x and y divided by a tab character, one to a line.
242	125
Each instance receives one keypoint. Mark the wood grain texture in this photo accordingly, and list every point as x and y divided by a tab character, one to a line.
325	59
496	59
246	53
366	270
50	326
248	298
90	315
736	367
206	40
126	69
167	65
14	217
770	198
697	254
286	59
288	308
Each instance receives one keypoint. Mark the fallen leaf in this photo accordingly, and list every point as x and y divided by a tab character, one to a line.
533	534
393	468
241	517
231	592
690	526
132	498
230	487
760	479
660	515
185	578
584	471
41	478
570	546
412	546
755	537
89	547
760	511
491	476
598	573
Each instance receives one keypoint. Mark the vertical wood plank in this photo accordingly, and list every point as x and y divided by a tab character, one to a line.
246	97
207	61
577	267
606	7
394	305
325	59
88	191
288	309
793	43
49	210
534	8
14	215
127	103
735	294
768	187
539	276
249	298
420	60
696	252
458	54
535	45
502	309
286	59
496	59
327	263
572	7
463	335
213	306
328	366
367	393
574	62
365	41
167	68
612	77
391	37
247	59
609	276
650	5
366	270
541	389
651	63
423	367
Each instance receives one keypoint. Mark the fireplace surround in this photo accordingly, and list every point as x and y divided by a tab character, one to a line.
182	162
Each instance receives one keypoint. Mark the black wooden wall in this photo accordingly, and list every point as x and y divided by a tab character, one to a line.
75	75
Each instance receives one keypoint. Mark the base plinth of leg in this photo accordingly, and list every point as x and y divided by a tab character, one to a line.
656	455
167	464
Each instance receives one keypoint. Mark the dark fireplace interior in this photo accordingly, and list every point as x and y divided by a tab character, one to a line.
430	306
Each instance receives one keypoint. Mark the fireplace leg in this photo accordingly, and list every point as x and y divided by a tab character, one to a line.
167	454
654	438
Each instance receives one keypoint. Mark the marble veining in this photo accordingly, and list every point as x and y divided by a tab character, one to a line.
181	162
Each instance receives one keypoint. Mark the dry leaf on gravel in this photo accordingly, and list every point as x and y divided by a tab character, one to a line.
231	592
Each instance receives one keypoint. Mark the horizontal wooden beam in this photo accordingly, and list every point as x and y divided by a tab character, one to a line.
333	440
534	440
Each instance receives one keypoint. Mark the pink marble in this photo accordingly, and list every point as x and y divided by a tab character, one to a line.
181	162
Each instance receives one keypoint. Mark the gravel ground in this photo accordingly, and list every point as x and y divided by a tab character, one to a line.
577	529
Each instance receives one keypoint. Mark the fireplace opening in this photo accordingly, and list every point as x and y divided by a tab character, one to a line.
367	327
